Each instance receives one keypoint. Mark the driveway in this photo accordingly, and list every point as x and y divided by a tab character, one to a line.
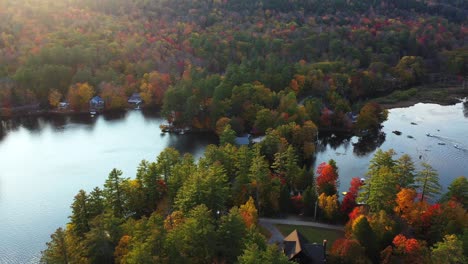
277	237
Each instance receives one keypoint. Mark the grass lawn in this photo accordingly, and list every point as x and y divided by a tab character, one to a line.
313	234
264	232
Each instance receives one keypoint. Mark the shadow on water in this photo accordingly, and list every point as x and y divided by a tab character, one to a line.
368	143
465	109
150	113
190	142
57	122
114	115
335	140
84	119
2	130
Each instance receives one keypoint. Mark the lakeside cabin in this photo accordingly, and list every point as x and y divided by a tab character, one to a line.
96	104
135	99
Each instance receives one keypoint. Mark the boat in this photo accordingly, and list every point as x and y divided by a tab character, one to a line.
428	134
396	132
441	143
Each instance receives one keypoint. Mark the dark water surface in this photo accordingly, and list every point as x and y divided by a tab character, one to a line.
45	161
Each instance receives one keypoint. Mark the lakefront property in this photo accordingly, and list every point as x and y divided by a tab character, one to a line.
247	131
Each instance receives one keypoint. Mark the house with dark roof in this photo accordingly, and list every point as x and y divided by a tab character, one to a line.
135	99
298	249
96	103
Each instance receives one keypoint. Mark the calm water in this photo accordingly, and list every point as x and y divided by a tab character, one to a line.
44	162
448	126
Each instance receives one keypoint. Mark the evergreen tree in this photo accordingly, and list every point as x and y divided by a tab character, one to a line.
310	198
379	192
405	171
364	234
253	254
208	187
166	161
381	159
180	173
285	164
449	251
95	203
57	251
240	187
232	229
195	240
380	188
98	244
80	214
427	181
458	191
259	177
114	192
228	136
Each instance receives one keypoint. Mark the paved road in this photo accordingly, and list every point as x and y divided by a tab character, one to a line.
294	221
277	237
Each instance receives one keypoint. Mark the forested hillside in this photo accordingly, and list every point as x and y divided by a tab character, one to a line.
217	57
283	69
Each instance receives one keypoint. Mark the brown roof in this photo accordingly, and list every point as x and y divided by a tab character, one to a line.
293	244
297	247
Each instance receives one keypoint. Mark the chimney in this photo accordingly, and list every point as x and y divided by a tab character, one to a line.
324	251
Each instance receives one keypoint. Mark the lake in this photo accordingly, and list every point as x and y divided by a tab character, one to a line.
45	161
446	149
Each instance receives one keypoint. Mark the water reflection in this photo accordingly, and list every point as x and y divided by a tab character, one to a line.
57	122
64	154
368	143
114	115
465	109
31	123
150	114
334	140
190	142
2	130
85	119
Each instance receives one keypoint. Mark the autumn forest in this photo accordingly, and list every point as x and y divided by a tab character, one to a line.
279	70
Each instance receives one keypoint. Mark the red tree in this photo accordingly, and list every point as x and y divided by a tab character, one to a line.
327	179
349	201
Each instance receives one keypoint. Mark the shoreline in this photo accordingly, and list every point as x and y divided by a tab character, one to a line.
426	95
44	112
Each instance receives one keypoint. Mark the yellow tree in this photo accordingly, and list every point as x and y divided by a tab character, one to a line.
329	205
122	248
153	86
54	98
79	95
221	124
113	95
249	213
174	220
